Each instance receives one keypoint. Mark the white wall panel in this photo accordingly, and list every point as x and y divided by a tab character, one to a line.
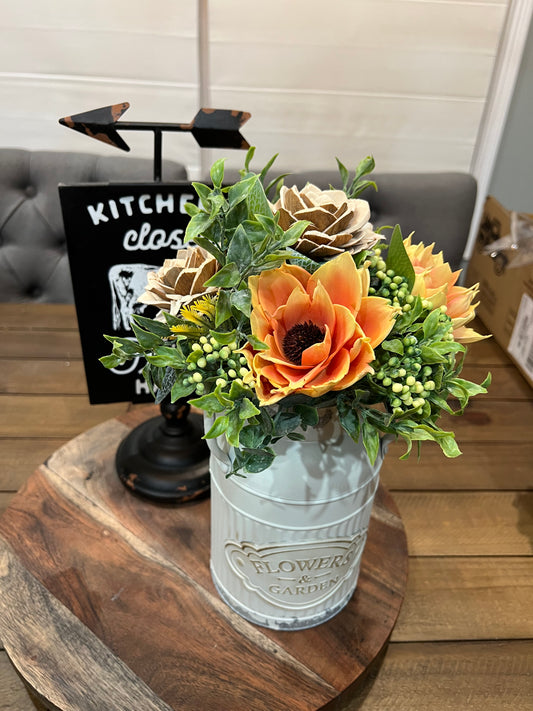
69	56
403	79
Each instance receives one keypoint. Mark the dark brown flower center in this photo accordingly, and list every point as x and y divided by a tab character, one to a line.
299	338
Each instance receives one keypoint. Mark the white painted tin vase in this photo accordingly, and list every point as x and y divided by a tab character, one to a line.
286	543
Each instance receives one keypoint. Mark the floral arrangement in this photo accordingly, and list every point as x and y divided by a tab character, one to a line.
281	308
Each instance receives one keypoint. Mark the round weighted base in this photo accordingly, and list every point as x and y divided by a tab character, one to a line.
165	458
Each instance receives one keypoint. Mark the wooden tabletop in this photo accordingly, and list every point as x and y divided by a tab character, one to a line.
464	636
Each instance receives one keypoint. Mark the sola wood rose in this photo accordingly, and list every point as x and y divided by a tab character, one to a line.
338	223
180	280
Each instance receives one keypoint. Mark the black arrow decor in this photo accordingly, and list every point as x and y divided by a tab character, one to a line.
212	128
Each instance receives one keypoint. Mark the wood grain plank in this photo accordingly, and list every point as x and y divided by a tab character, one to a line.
68	653
28	316
13	694
489	421
118	588
42	377
52	416
63	345
475	676
467	523
486	352
20	458
467	599
483	465
5	500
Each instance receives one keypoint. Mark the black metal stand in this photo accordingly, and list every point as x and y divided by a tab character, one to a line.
165	458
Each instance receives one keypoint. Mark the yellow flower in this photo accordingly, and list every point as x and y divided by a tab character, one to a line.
435	281
320	329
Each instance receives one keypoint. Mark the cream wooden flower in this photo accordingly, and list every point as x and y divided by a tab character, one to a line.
180	280
338	224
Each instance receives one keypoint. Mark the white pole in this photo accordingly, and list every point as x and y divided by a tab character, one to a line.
203	76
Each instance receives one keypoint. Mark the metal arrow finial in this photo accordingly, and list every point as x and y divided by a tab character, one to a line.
212	128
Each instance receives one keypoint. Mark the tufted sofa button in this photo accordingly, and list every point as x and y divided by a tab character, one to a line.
30	191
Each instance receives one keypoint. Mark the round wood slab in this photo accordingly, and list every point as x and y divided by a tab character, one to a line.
106	601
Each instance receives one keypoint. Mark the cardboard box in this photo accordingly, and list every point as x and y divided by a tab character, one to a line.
505	277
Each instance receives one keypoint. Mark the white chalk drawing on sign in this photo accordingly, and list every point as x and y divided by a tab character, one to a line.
127	282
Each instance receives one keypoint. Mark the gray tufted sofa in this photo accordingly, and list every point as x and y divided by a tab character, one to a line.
33	258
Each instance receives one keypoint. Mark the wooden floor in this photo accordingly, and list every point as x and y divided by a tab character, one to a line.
464	639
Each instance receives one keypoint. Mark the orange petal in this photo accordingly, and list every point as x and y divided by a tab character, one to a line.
376	317
341	280
359	366
318	352
296	310
272	288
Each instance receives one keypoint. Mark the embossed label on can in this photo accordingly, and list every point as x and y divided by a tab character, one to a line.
296	575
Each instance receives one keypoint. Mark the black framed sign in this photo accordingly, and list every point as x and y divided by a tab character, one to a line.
116	234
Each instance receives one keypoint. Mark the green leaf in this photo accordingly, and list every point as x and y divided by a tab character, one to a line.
266	168
203	192
257	460
248	158
251	437
240	190
247	409
128	346
208	403
164	356
147	340
308	415
165	386
111	361
257	200
242	300
219	427
240	250
397	258
294	233
345	175
370	441
149	324
285	422
223	308
181	389
217	172
431	323
256	344
226	277
198	224
212	248
224	337
394	346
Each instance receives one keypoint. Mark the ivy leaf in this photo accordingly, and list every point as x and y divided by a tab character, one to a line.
308	415
181	389
247	409
256	460
209	403
223	308
219	427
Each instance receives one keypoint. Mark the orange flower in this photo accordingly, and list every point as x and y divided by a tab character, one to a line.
435	281
320	329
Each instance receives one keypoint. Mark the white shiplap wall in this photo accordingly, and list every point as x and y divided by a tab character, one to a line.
405	80
67	56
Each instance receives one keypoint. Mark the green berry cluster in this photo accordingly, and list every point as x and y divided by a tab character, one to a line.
387	284
401	369
212	363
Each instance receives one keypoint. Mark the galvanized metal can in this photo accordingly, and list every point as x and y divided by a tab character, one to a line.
286	543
